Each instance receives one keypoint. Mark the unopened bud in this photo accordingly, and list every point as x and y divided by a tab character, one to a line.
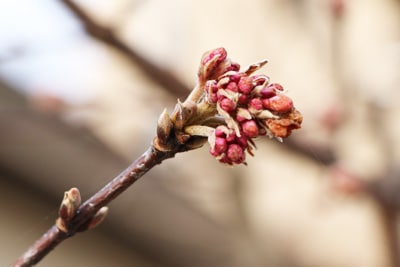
235	154
209	63
245	85
164	127
220	146
227	105
255	105
250	128
98	217
69	206
278	103
267	92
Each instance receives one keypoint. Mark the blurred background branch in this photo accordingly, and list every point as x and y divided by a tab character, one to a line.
81	104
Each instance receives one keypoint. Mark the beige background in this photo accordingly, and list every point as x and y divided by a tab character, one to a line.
97	112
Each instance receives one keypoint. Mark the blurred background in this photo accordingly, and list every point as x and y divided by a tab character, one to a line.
83	82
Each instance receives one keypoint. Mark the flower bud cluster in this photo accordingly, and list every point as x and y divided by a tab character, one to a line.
250	105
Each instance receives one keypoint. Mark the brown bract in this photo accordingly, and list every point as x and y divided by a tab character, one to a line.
283	126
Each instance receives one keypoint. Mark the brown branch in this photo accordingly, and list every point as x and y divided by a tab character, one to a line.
106	35
385	193
87	210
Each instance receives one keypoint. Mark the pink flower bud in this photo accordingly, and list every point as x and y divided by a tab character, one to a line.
250	128
245	85
220	145
231	137
255	104
233	67
267	92
232	86
217	56
220	132
235	153
210	62
227	105
234	76
278	103
242	141
243	99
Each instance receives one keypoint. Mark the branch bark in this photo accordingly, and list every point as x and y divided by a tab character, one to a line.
87	210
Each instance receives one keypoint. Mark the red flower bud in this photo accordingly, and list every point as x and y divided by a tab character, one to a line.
242	141
250	128
210	63
267	92
235	154
220	146
227	105
219	132
255	104
233	67
233	76
231	137
245	85
278	103
232	86
217	55
243	99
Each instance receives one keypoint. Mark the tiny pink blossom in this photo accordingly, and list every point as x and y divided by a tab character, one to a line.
243	99
255	104
267	92
219	132
245	85
220	145
249	105
250	128
233	67
232	86
231	137
227	105
242	141
235	154
219	53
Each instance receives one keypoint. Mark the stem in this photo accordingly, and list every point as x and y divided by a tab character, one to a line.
87	210
196	93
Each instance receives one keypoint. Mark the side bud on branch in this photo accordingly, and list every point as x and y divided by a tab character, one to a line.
68	210
229	108
69	206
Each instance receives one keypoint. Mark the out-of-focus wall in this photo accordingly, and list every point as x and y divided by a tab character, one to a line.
338	60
